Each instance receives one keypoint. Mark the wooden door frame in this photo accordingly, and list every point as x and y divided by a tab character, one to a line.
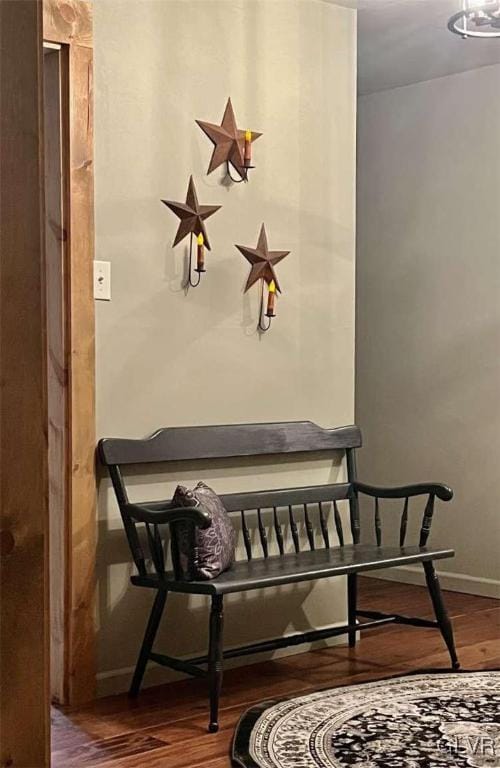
24	604
69	23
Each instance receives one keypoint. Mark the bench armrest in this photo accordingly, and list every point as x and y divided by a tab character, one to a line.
443	492
156	514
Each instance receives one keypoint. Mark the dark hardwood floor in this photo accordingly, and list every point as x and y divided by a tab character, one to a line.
166	726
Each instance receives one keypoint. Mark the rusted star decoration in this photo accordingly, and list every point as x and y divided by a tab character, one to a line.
228	140
191	215
263	261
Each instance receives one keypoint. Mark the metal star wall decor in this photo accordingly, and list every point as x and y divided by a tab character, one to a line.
191	215
231	145
262	262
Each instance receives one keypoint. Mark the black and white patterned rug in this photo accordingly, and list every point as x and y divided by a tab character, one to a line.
432	720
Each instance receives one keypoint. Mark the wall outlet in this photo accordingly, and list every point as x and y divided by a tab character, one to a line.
102	280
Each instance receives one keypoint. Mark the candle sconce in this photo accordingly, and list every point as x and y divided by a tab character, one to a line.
271	306
243	177
200	260
192	216
262	262
232	146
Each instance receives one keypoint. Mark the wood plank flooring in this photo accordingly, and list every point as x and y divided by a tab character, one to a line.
166	726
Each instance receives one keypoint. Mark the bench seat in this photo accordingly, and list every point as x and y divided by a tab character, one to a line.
290	568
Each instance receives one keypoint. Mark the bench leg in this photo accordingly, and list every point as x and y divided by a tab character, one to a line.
440	611
352	596
215	660
149	638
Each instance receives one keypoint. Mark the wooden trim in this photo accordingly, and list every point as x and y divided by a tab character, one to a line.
69	22
55	145
24	578
81	332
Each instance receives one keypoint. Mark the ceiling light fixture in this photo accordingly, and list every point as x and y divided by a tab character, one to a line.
478	18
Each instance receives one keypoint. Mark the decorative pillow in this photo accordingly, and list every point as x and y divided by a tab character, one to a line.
203	554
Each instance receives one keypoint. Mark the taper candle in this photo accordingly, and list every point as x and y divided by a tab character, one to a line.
248	149
271	300
200	262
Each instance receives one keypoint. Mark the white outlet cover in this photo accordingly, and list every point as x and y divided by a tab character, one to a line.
102	280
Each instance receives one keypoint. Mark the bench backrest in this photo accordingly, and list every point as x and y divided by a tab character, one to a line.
290	507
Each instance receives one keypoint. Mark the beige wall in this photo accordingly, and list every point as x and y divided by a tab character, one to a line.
166	358
428	308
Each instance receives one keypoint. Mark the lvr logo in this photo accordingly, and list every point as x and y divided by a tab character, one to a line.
479	743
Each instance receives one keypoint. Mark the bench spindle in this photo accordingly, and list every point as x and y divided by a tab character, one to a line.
353	496
378	523
338	524
263	534
278	531
159	547
427	520
156	548
294	529
309	528
404	524
324	526
135	546
246	535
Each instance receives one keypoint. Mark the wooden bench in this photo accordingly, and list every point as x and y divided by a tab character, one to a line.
314	508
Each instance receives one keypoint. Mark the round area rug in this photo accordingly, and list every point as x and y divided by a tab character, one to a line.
433	720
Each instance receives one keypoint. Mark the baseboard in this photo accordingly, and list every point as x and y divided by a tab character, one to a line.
455	582
118	680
